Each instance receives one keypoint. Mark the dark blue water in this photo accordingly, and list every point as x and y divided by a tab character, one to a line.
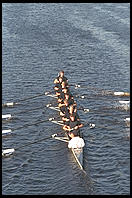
91	43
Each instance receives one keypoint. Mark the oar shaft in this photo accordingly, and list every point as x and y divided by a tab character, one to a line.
31	97
7	152
34	142
29	110
10	104
31	124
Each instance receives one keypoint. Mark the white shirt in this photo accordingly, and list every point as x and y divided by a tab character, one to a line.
76	142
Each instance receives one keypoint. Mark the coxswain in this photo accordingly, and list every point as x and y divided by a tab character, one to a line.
76	141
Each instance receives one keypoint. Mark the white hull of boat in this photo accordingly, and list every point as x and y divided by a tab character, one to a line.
77	152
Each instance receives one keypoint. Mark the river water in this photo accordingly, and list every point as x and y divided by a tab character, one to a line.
91	43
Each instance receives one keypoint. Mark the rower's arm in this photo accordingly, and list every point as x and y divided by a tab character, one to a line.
65	119
60	105
56	88
81	125
66	128
56	81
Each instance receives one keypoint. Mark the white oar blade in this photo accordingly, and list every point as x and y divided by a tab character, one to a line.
6	116
7	131
120	93
92	126
127	119
77	86
124	101
7	152
8	104
86	110
46	93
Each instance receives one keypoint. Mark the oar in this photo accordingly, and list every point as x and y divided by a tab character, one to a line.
86	96
106	92
60	122
85	110
49	92
117	93
9	131
11	104
8	116
9	151
127	119
91	125
57	108
124	102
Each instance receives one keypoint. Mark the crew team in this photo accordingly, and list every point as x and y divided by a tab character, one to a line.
68	111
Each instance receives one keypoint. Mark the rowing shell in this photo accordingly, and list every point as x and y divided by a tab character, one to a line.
77	152
78	155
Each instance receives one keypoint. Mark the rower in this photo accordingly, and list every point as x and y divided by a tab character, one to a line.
61	92
66	91
72	107
58	84
69	99
64	94
61	74
71	111
73	125
64	103
67	96
59	100
57	87
63	107
64	85
76	141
